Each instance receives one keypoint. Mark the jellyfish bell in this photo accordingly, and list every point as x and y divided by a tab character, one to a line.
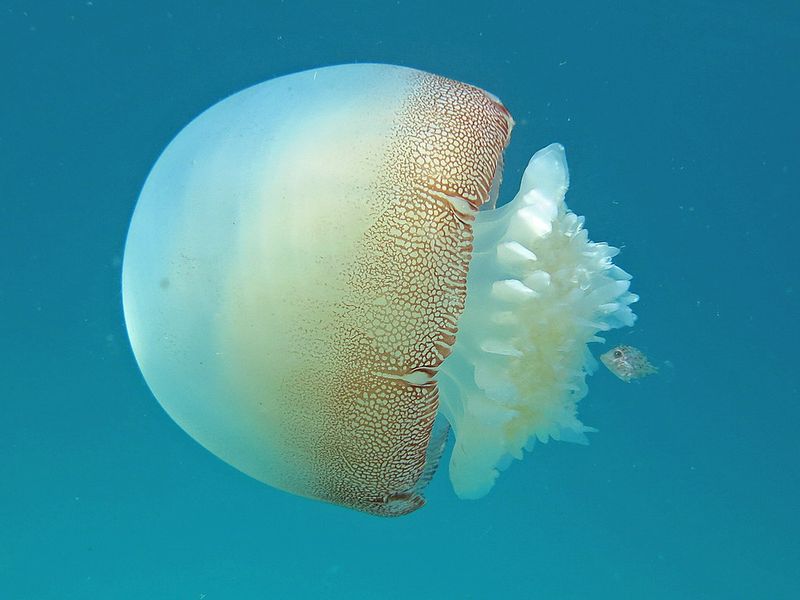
313	292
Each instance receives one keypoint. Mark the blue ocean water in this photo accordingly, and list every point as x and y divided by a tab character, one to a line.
680	121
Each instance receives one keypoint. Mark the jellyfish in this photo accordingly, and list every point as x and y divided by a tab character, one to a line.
317	287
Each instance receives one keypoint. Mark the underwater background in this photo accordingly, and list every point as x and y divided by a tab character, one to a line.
680	121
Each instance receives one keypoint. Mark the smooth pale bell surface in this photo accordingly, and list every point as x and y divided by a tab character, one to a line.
295	268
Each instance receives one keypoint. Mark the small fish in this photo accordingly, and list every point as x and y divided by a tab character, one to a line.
627	362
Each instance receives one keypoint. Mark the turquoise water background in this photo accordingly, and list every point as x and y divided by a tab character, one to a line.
680	121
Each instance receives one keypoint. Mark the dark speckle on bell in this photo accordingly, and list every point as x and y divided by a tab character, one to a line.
164	283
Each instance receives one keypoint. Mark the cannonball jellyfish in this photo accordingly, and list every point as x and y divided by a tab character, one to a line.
317	287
